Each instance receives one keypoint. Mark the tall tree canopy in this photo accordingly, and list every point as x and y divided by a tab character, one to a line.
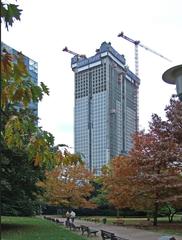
18	126
25	148
68	184
151	176
117	182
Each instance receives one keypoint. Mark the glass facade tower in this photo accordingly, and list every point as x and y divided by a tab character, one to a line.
106	106
32	68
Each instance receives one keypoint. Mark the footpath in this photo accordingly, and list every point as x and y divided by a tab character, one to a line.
129	233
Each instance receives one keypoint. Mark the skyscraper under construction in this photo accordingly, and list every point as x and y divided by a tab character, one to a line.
106	106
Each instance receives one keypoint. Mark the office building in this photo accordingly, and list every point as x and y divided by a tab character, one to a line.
32	68
106	106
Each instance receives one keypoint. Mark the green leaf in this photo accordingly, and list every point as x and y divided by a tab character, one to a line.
44	88
9	12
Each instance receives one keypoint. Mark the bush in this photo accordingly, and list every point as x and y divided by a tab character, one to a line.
108	212
104	220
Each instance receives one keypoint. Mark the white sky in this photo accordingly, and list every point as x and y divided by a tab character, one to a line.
46	27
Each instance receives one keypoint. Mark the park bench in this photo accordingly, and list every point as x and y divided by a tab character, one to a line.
110	235
67	223
88	230
118	238
59	221
74	227
95	220
118	222
49	218
53	219
106	235
144	224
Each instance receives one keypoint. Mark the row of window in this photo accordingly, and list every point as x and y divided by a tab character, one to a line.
98	75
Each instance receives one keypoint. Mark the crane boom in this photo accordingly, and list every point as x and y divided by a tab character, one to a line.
149	49
74	53
127	38
136	50
137	43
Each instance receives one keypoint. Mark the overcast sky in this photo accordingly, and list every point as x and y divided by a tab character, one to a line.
46	27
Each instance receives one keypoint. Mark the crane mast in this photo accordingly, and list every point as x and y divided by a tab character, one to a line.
137	43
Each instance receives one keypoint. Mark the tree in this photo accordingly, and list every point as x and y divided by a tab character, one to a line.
26	150
150	177
117	182
9	12
18	127
174	126
25	147
99	195
18	184
157	156
21	137
169	210
68	184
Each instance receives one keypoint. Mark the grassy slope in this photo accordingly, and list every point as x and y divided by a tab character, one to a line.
26	228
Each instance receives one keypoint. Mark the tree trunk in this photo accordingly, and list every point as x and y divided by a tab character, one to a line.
117	213
156	208
148	217
171	217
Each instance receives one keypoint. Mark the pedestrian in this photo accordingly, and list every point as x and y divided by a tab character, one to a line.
72	216
67	215
67	218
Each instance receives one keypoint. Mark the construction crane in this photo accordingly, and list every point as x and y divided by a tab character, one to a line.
137	43
74	53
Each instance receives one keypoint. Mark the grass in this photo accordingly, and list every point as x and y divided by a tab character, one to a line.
134	220
27	228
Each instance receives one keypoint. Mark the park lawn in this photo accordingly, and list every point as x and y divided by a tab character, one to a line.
177	218
31	228
134	220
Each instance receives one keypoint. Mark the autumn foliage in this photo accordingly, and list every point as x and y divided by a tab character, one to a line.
151	175
19	130
68	184
117	182
26	149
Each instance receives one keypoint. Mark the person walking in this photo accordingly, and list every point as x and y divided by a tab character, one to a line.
67	215
67	218
72	216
